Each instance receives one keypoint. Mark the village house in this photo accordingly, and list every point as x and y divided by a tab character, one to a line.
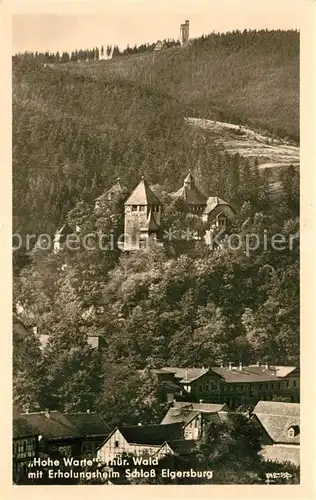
66	434
92	429
25	447
138	440
280	426
160	46
192	416
238	385
58	436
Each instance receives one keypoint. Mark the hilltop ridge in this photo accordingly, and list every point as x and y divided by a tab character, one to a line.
77	126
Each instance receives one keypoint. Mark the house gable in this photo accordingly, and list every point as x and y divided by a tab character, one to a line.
114	445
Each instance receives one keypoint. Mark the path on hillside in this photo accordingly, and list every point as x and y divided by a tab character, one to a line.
270	152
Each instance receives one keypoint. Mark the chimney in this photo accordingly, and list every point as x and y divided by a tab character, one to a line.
258	363
230	365
186	374
88	411
35	330
240	366
201	400
47	413
267	366
139	424
222	364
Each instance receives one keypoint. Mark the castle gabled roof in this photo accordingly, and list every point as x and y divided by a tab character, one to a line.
115	190
189	192
142	195
213	202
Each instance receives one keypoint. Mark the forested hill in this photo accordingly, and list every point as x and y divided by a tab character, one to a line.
77	126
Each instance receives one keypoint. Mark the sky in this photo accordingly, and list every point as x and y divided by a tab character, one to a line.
66	26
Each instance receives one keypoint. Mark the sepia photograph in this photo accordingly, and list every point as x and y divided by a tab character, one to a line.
156	244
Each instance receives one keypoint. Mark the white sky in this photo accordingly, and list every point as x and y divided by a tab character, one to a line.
84	24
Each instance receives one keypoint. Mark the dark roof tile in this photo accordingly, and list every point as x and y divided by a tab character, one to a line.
51	426
88	424
151	434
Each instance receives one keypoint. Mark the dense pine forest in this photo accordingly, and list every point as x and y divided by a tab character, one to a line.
76	128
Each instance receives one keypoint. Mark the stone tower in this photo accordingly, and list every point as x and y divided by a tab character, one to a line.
184	33
142	217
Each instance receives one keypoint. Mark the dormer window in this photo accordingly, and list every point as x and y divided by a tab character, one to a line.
221	220
293	431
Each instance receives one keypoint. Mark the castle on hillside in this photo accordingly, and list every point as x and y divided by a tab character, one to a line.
143	212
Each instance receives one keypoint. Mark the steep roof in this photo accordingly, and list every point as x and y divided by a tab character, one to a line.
281	453
142	195
277	408
213	202
151	434
53	425
151	222
22	428
277	418
189	192
116	189
88	424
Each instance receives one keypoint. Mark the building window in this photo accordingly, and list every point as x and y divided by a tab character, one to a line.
142	208
221	221
294	383
116	444
134	208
